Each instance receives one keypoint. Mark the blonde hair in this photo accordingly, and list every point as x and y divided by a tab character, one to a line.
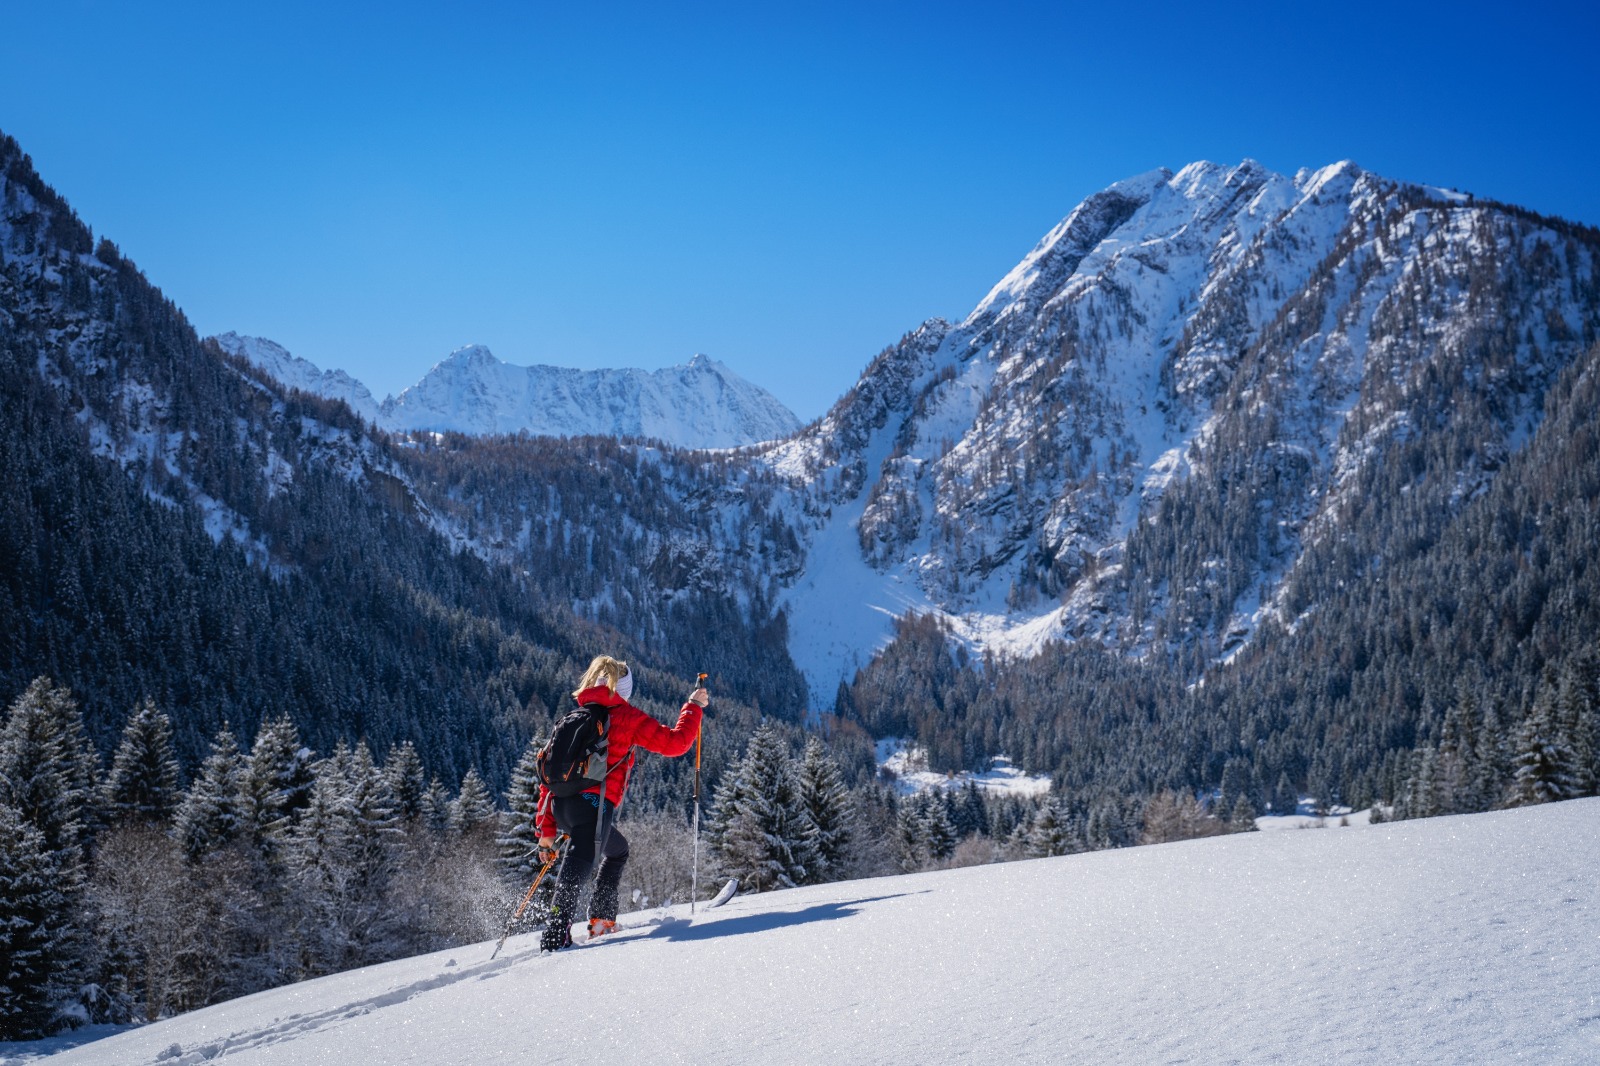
603	670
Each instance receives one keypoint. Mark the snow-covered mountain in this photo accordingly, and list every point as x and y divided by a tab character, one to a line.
1464	939
1251	345
298	373
700	404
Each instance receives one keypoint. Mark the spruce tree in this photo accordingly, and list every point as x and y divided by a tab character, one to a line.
407	783
938	829
1052	831
1577	718
473	809
911	833
142	786
519	841
1545	762
1242	818
48	769
35	914
277	780
830	808
761	831
212	812
434	810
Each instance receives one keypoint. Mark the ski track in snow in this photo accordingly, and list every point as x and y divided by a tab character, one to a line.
1470	939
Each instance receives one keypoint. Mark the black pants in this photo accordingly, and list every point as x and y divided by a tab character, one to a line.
576	816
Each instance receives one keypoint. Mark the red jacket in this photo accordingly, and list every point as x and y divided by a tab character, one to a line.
629	726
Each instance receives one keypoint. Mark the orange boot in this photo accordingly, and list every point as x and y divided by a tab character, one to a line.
599	927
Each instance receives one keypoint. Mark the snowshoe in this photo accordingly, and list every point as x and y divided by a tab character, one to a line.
557	934
599	927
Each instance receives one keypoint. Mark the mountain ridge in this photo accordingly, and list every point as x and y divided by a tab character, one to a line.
699	404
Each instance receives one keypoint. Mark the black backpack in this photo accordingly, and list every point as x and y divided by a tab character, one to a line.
574	758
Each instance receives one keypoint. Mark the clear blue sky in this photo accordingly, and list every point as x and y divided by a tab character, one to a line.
787	187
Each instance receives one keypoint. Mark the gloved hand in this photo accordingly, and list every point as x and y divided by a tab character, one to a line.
547	850
700	696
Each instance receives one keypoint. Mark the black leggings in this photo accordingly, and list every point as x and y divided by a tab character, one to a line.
576	816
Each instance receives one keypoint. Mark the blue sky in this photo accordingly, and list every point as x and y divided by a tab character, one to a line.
785	187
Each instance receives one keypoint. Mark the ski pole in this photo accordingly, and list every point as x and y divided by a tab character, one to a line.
526	899
694	877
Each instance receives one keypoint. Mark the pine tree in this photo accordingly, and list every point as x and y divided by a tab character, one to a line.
343	853
760	829
143	783
34	916
519	841
403	770
1242	818
830	808
1052	831
971	814
1576	720
911	833
1546	764
938	829
277	780
48	769
473	809
434	810
212	812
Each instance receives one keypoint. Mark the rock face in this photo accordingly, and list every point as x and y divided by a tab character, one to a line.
1147	427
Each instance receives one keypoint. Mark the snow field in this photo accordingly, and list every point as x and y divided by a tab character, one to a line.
1464	940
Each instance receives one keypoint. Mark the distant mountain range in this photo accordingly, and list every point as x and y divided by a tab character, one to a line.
701	404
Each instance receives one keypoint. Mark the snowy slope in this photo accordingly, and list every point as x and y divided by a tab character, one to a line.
297	373
701	404
1471	939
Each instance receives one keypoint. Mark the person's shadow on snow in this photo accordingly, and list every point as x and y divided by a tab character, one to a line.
684	929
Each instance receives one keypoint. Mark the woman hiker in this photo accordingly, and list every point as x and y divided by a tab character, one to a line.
608	684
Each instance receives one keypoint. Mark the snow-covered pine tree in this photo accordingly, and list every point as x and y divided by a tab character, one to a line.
343	852
34	915
518	841
143	783
1575	708
1420	796
1545	762
434	810
48	769
473	810
277	780
1285	797
1053	831
761	832
829	806
971	813
938	828
911	833
211	813
403	770
1242	818
372	804
1455	771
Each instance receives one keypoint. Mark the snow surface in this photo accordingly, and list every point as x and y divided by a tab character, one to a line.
907	766
1471	939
